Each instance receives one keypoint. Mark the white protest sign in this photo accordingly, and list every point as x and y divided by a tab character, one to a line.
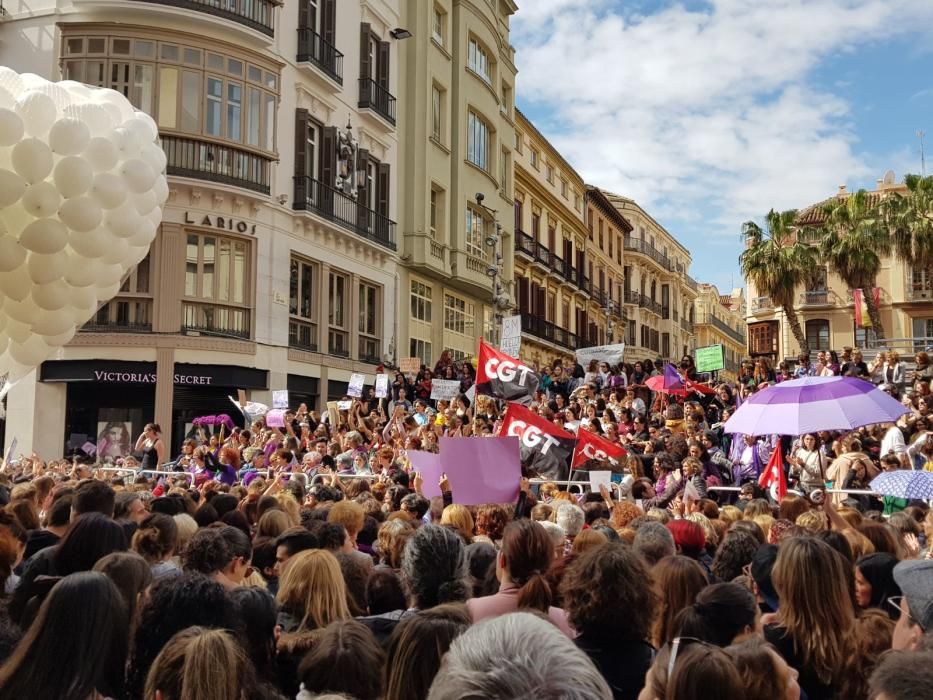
471	394
355	388
382	386
344	405
11	453
611	354
280	398
445	389
600	478
511	338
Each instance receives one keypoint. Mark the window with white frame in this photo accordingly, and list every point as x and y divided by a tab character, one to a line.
505	167
422	350
458	315
533	156
475	233
217	284
438	22
563	188
302	305
518	141
421	301
370	343
338	332
477	141
478	60
549	173
438	112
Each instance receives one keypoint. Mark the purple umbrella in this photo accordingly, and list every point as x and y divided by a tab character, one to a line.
810	404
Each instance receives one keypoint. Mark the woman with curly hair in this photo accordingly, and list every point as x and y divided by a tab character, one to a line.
608	604
734	553
491	520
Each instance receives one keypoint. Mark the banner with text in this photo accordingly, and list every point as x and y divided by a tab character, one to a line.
511	338
592	446
382	386
280	399
503	377
709	358
612	354
409	365
355	388
445	389
545	448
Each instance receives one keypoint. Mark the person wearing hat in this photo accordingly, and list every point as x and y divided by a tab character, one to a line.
915	579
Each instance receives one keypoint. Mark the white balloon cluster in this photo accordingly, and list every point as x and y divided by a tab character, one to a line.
82	185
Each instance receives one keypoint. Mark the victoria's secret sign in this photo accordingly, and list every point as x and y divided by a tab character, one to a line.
148	378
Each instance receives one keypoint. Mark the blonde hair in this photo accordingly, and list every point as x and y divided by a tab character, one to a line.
272	523
712	537
851	516
391	539
187	526
312	588
860	544
813	520
812	581
587	540
288	504
764	522
350	514
730	514
200	664
458	517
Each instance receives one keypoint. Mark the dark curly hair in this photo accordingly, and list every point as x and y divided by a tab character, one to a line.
491	520
605	594
176	603
207	552
736	550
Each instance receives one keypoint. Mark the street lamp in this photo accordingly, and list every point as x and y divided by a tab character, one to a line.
500	300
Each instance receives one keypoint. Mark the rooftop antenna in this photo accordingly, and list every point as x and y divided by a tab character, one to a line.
923	160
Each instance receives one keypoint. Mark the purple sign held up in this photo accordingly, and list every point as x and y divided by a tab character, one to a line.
429	465
275	418
482	470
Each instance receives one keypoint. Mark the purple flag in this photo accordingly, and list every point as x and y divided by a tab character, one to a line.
429	464
482	470
672	378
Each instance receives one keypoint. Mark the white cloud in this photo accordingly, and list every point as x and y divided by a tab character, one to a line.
702	115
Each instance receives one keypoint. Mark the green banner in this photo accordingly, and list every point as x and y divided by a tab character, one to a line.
709	359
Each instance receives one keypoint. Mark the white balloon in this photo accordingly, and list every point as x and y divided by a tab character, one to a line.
68	136
81	214
12	254
41	199
144	235
102	154
90	244
17	331
38	112
96	118
142	126
109	275
31	352
52	323
116	252
109	191
16	284
110	291
46	268
114	114
78	90
23	311
160	189
153	154
32	160
11	127
123	221
12	187
82	297
44	236
137	174
73	176
57	341
145	202
10	80
52	296
84	274
125	141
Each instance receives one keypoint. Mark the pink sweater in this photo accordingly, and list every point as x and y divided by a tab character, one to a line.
505	602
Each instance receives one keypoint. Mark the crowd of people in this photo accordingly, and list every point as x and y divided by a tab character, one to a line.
307	562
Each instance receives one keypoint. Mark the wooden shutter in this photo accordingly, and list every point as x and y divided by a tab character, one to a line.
382	188
365	34
328	170
581	265
523	295
305	16
302	184
382	65
329	21
540	302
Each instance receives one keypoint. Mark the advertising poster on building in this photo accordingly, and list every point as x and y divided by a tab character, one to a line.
709	358
114	439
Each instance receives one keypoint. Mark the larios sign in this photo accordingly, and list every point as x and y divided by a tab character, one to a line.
148	378
227	224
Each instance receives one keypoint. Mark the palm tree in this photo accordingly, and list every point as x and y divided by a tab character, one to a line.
776	263
854	238
909	220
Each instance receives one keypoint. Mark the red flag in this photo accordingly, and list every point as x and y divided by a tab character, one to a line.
504	377
592	446
546	447
773	475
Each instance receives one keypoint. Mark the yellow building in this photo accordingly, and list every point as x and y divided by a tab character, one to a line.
456	135
720	320
606	231
826	309
657	291
553	289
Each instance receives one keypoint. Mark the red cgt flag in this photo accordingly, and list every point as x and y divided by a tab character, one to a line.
504	377
545	447
773	475
592	446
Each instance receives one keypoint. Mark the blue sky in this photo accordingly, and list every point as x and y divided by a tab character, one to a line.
709	113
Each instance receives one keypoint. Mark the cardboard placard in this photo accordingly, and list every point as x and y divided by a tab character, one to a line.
511	338
410	365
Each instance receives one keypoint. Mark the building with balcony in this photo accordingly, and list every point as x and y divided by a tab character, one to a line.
553	275
275	264
720	320
605	263
658	294
456	138
826	309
